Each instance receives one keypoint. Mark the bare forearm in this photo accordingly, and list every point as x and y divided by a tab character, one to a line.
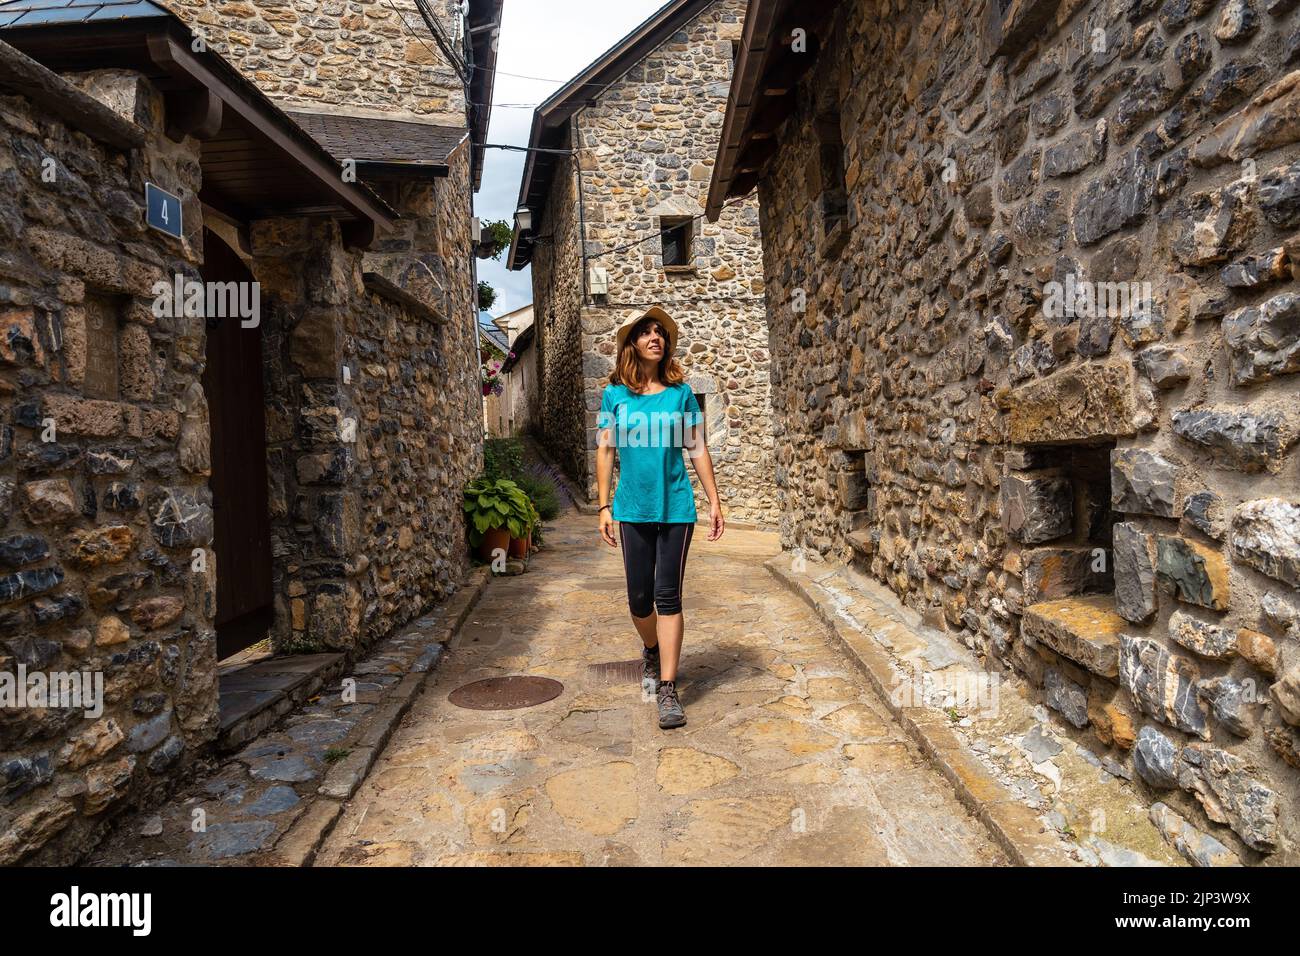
604	472
704	469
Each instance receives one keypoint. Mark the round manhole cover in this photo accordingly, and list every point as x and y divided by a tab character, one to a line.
506	693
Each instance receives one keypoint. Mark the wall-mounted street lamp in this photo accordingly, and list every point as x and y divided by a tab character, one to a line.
524	219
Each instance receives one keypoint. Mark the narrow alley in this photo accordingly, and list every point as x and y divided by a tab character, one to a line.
788	758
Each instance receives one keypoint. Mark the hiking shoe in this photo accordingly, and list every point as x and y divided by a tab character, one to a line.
649	670
670	708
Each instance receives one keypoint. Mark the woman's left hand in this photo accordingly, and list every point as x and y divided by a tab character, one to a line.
716	524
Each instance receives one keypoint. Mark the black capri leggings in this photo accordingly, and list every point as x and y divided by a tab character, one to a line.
654	557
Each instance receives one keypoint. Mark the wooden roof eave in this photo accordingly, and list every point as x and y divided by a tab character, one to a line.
208	98
762	94
370	215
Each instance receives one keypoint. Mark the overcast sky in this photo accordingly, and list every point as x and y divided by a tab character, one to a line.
554	39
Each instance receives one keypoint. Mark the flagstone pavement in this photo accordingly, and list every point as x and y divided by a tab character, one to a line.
788	758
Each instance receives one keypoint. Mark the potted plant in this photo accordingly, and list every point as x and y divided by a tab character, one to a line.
491	379
496	511
521	546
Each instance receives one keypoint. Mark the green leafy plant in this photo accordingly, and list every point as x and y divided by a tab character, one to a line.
535	525
542	491
497	503
496	238
486	296
504	458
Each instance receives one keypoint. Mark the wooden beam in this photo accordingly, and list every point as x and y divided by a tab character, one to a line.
743	184
768	120
784	75
358	233
196	113
757	153
178	61
52	92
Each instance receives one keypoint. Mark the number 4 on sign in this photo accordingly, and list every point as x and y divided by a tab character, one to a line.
163	210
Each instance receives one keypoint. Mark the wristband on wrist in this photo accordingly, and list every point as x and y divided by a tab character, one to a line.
602	508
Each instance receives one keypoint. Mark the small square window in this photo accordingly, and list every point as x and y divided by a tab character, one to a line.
676	234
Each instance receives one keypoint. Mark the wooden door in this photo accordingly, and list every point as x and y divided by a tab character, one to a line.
232	382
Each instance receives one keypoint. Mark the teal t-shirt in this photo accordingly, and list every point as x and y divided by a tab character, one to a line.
650	432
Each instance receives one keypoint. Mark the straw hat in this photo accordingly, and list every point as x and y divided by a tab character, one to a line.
654	312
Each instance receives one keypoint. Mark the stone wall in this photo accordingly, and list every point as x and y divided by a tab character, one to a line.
367	464
349	55
106	561
1109	502
648	143
561	416
103	473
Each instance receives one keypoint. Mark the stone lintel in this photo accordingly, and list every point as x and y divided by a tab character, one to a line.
1088	402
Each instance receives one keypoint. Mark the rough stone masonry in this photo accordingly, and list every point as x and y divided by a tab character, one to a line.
373	417
1105	499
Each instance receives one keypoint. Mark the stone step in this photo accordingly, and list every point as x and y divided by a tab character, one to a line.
254	697
1084	629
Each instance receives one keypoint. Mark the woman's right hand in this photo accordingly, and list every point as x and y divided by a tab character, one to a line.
607	527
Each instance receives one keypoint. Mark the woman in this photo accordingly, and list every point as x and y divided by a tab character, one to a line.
649	414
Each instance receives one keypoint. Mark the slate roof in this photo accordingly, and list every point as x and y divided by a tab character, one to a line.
496	337
25	13
372	140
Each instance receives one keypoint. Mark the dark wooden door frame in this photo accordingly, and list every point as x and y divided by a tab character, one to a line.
233	385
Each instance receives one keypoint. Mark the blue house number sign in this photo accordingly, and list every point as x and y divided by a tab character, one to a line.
164	210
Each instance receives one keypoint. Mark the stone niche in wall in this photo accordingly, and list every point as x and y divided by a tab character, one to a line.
1057	507
1056	504
714	405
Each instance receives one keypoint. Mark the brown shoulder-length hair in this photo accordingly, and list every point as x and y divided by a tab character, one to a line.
627	367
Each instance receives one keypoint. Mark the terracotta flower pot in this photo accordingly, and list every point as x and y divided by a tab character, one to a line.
519	547
492	539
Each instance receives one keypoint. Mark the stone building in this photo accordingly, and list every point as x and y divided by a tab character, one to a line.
178	482
519	399
493	350
1031	291
616	225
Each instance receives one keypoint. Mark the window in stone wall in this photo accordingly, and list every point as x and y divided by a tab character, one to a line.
834	194
676	235
1057	503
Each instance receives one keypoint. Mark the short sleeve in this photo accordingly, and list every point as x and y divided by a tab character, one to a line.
606	416
691	414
